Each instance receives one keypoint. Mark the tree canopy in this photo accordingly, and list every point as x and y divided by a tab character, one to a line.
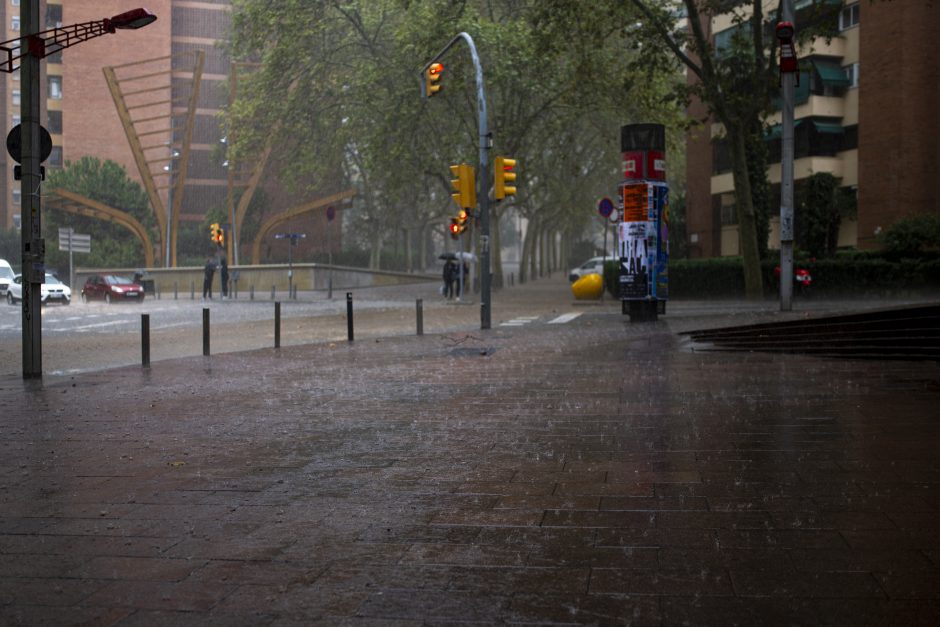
337	91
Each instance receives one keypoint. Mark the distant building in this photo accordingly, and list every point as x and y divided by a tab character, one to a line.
867	111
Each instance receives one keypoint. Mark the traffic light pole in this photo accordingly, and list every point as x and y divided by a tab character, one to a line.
33	259
484	178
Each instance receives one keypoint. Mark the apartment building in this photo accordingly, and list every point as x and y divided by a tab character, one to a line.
867	111
80	112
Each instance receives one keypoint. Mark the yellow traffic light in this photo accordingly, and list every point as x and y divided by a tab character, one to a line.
504	174
214	231
432	76
464	186
462	217
220	237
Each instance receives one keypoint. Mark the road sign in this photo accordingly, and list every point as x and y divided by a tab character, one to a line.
605	206
77	243
15	143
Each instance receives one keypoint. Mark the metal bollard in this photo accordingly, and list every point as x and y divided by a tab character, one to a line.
144	339
273	291
329	293
192	290
420	316
205	331
277	324
251	292
349	316
176	290
158	293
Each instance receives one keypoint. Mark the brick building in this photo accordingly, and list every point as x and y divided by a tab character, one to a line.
867	111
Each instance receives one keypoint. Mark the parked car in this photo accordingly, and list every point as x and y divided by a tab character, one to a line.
594	265
111	287
6	276
52	291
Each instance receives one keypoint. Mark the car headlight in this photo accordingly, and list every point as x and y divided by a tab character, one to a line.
119	290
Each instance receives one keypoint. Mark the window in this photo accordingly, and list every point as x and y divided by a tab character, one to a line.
55	87
851	72
53	15
15	3
15	22
17	196
54	57
16	120
16	74
55	157
55	122
17	98
848	17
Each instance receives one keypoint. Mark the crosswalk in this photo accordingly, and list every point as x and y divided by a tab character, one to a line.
524	320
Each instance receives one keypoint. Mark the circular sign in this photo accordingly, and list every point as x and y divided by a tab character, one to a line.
330	213
15	143
605	206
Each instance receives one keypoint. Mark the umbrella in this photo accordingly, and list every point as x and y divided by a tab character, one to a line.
447	256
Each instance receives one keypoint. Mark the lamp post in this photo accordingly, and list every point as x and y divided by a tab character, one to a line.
25	53
789	71
291	237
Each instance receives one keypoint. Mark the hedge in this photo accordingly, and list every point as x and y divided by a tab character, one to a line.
866	275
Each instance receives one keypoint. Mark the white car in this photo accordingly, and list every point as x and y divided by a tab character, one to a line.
53	291
6	276
594	265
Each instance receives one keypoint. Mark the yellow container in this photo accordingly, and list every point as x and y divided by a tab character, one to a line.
588	287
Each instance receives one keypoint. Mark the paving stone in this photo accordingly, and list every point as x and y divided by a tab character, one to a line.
596	472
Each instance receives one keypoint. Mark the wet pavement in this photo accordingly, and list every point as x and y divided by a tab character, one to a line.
584	471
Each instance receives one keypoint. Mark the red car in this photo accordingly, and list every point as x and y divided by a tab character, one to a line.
110	288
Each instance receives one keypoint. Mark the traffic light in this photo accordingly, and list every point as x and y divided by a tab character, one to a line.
454	228
464	185
431	77
217	234
504	174
462	217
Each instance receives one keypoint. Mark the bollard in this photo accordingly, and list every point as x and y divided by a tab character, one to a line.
144	339
273	291
205	331
192	290
277	324
349	316
329	293
420	315
251	292
158	293
176	290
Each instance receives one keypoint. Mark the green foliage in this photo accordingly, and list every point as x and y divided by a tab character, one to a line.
912	236
843	276
820	207
111	245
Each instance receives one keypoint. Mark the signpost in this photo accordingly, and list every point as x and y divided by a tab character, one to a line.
74	243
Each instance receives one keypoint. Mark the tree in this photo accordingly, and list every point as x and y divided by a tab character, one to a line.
821	205
108	183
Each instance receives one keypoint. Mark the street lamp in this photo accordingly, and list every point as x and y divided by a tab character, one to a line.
292	237
25	53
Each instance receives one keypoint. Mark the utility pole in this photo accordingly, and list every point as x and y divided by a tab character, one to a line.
33	247
789	72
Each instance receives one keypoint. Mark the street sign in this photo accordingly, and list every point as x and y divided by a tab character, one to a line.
605	206
77	243
15	143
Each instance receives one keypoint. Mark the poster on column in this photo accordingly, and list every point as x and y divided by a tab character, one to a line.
661	269
634	250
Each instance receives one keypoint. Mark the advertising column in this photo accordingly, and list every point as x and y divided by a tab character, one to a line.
644	232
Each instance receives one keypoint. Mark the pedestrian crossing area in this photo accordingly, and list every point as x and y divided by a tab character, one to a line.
524	320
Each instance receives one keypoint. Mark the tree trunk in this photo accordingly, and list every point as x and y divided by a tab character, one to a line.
744	205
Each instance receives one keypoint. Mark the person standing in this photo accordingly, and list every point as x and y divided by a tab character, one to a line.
223	265
208	274
449	275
